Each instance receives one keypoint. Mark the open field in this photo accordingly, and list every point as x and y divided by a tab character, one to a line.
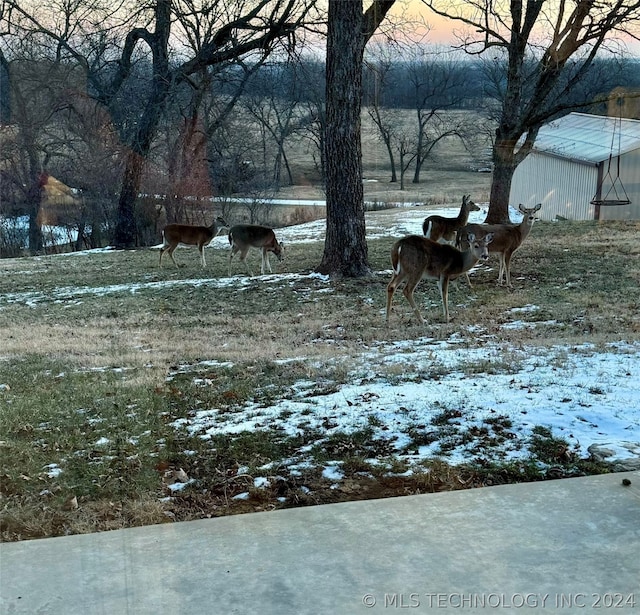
449	167
132	395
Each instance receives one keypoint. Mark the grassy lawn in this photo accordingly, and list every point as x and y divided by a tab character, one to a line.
108	363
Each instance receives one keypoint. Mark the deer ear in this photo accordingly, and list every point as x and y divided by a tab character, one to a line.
488	238
471	237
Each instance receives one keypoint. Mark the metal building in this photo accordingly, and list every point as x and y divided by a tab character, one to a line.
583	167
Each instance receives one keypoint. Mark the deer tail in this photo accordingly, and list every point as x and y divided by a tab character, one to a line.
427	233
395	260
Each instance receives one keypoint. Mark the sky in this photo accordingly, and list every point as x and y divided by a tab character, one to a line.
442	30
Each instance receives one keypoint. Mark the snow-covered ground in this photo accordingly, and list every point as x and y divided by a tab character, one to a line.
587	396
584	397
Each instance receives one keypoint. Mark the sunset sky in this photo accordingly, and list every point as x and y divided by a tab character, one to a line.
442	31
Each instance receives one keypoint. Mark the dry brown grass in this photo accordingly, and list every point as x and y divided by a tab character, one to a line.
581	274
85	363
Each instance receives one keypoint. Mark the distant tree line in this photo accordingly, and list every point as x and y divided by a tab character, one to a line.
145	134
237	142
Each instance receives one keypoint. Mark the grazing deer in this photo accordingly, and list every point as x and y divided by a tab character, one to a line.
245	236
201	236
415	257
507	238
438	227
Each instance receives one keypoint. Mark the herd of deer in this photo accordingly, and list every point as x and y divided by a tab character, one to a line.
241	238
449	248
433	256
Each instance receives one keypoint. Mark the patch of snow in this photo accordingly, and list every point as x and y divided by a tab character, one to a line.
332	473
53	470
261	482
525	308
582	396
177	487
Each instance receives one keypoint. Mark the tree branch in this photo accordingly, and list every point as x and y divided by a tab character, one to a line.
374	16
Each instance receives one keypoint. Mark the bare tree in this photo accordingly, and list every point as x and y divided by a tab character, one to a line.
181	38
548	49
37	139
274	105
434	84
312	121
406	146
200	132
91	165
438	89
381	66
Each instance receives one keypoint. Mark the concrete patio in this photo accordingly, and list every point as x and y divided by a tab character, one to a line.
565	546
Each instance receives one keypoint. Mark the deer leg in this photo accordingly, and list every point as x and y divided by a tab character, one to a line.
391	289
443	285
408	293
265	264
164	250
501	274
170	250
233	251
243	257
507	267
201	250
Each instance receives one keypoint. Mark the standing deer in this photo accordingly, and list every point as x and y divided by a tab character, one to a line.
507	238
438	227
245	236
415	257
201	236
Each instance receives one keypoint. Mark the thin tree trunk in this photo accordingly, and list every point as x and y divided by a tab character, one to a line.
392	163
385	135
34	200
416	174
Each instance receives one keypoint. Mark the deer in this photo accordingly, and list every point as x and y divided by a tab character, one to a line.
245	236
507	238
439	228
201	236
415	257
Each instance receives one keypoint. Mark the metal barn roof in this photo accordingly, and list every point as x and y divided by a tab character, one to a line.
588	138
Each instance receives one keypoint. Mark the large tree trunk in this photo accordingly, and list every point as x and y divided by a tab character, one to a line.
345	250
504	166
125	235
125	232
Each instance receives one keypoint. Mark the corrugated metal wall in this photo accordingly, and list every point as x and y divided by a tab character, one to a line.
630	176
564	188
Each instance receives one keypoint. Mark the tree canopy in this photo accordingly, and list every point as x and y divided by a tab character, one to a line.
184	40
549	48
